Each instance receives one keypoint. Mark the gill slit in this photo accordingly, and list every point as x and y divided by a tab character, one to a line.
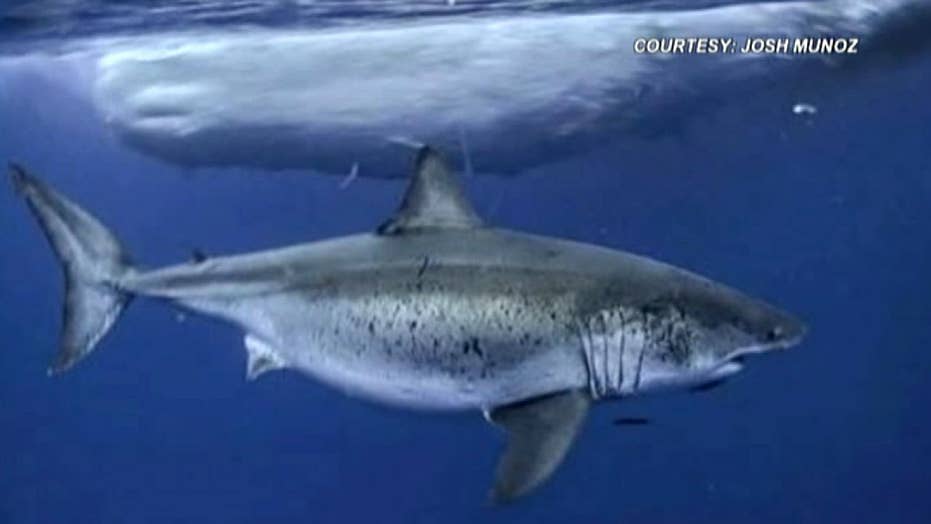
587	352
603	344
605	360
622	346
643	351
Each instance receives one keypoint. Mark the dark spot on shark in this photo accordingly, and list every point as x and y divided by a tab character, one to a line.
478	350
471	345
198	256
668	329
423	267
372	327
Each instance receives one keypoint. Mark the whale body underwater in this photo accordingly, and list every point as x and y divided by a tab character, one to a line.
437	310
352	98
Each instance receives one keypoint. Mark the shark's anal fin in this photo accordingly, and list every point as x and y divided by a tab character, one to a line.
434	199
262	358
540	433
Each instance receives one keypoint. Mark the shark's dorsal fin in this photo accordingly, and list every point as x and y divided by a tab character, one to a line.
434	199
262	358
540	432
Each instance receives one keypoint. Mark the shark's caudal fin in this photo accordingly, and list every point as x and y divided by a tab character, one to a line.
93	262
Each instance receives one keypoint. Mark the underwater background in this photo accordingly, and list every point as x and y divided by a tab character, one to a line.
825	215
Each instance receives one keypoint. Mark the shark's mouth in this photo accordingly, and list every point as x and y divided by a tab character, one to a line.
755	349
713	373
739	357
725	369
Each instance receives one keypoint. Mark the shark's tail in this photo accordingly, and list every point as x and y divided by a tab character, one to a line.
93	263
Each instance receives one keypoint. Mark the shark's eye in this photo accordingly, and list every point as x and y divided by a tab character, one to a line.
774	334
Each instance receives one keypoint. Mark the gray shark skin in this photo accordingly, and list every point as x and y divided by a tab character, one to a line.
437	311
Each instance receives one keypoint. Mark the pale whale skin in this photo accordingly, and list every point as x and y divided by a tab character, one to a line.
437	311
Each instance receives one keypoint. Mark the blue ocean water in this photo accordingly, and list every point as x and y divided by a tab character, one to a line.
825	215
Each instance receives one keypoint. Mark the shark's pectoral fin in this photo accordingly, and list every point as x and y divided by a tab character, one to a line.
262	358
434	200
540	432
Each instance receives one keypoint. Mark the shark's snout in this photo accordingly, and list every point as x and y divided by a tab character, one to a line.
786	333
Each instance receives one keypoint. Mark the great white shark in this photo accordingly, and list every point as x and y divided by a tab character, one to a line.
437	310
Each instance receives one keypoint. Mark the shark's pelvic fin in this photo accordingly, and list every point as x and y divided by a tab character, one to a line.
434	199
540	432
262	358
93	263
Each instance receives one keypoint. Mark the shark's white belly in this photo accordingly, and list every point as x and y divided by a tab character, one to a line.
399	383
425	354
